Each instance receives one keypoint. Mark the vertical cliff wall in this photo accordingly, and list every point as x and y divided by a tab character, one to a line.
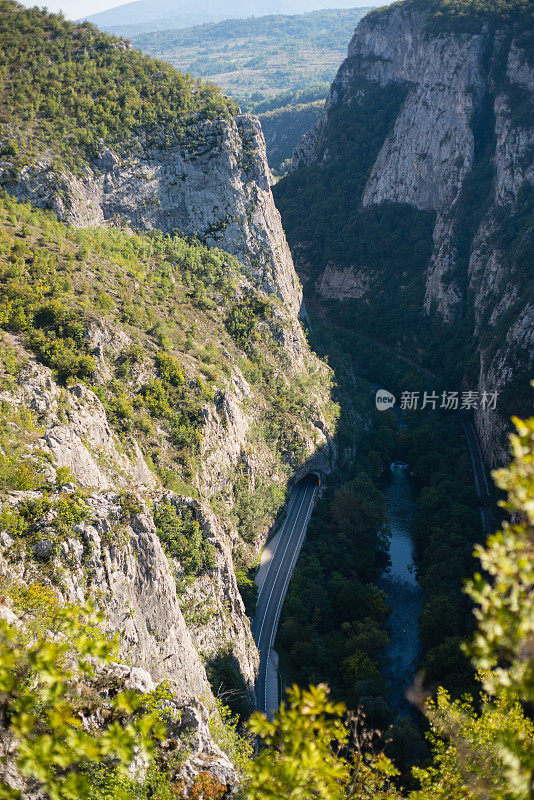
422	171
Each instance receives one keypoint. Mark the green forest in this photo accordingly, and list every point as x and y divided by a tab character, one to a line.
334	624
260	59
71	87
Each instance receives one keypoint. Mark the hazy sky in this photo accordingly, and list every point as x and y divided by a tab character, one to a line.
74	9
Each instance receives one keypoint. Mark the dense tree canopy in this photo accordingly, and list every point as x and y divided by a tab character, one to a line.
70	86
483	747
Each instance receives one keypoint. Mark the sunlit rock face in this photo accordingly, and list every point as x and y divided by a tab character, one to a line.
461	145
215	184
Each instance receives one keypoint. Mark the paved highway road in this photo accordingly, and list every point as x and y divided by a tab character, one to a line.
481	476
274	588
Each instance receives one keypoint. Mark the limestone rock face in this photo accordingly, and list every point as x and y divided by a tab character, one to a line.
137	576
223	624
125	564
215	185
186	723
452	83
121	564
114	557
76	431
429	151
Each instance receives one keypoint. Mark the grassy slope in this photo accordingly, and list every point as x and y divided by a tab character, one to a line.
196	320
70	87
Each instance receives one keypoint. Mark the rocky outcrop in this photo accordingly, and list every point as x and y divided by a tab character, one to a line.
120	562
343	283
113	556
120	565
187	730
461	146
215	184
76	432
213	605
142	603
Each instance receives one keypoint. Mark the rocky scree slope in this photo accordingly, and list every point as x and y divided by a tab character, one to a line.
420	184
101	134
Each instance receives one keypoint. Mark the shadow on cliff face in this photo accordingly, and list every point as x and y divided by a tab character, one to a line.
228	684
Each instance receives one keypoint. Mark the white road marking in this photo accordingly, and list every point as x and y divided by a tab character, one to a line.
279	567
290	509
287	579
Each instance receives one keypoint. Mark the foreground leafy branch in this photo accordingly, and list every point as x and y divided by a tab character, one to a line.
42	675
483	747
312	753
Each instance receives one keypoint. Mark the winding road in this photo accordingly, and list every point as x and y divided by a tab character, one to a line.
274	588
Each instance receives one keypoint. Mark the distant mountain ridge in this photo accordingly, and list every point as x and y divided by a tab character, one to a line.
255	59
315	24
144	16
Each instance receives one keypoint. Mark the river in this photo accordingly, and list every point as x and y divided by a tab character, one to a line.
400	584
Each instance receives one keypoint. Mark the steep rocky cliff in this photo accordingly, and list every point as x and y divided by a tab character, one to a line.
135	143
422	167
114	553
97	541
157	393
146	492
214	185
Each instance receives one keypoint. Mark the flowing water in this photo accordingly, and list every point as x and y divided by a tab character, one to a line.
400	584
